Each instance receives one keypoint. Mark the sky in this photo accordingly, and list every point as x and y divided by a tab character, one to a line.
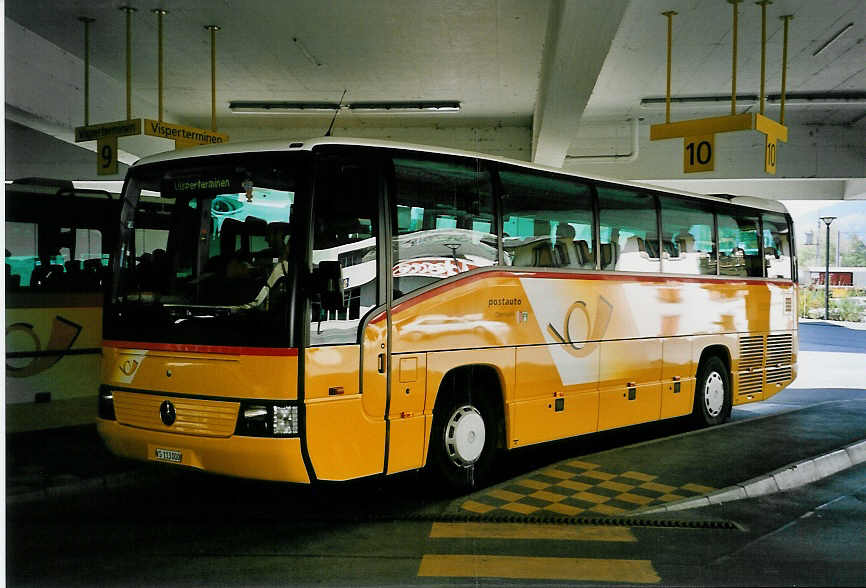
850	216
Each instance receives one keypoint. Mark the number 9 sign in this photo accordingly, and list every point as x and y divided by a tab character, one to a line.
106	152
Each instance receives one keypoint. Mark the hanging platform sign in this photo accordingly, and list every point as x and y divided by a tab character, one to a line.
701	126
106	135
774	132
121	128
699	153
699	138
182	135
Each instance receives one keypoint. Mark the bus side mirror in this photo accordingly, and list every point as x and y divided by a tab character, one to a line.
330	285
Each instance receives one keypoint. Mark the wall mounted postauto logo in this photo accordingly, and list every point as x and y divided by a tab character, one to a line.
167	413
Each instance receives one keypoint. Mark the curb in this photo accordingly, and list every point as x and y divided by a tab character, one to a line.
786	478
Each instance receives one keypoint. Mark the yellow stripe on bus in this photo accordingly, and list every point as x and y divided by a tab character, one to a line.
539	568
533	531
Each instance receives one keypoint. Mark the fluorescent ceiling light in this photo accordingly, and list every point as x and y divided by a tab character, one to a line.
800	99
419	106
278	107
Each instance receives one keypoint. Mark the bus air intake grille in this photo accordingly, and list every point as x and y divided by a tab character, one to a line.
206	418
778	375
751	353
750	383
780	350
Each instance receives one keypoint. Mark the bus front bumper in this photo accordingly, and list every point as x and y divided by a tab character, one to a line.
246	457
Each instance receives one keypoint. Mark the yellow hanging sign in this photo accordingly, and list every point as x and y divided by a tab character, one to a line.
701	126
120	128
106	135
183	136
774	132
699	154
106	151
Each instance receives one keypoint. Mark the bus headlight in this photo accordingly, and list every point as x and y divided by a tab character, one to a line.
106	404
285	420
267	420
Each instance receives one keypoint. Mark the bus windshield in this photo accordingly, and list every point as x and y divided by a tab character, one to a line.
219	273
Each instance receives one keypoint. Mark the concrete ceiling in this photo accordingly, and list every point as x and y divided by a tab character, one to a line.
560	82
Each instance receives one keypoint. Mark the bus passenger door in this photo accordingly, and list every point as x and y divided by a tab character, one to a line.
345	369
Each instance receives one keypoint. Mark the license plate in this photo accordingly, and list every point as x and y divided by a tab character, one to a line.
171	455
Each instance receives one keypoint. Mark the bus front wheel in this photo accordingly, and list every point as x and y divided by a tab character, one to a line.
462	443
712	393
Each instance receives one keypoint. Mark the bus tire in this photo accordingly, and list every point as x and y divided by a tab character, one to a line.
712	393
462	442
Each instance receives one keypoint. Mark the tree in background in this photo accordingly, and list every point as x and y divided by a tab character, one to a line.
855	256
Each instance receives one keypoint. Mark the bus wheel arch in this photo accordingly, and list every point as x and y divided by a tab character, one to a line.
468	427
713	399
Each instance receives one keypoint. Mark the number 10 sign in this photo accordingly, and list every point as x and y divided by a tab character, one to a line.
699	153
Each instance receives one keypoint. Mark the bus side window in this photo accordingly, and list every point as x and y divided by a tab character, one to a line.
688	239
547	221
738	245
21	253
777	246
629	231
444	220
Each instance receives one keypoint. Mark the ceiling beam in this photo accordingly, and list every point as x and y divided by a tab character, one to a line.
47	94
579	37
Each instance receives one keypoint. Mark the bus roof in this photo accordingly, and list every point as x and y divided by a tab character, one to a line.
310	144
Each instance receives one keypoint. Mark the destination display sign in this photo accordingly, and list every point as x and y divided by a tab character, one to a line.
120	128
185	136
203	185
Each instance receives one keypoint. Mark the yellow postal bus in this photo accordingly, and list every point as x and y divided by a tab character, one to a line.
352	307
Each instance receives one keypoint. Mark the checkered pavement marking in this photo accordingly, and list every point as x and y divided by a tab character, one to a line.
577	487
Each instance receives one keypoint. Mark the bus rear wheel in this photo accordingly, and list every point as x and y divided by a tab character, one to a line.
462	443
712	393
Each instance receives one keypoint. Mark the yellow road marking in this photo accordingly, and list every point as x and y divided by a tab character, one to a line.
582	465
535	484
519	507
607	509
656	487
555	473
539	568
505	495
548	496
599	475
634	498
590	497
532	531
697	488
574	485
616	486
639	476
564	509
478	507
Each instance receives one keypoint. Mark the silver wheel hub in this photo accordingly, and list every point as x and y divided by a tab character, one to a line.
464	436
714	394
